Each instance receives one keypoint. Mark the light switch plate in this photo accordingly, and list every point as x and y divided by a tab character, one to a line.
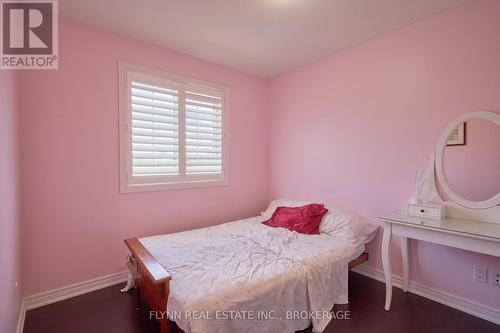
480	273
496	278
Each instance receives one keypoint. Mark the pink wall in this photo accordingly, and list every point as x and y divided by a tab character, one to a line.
74	218
9	213
351	129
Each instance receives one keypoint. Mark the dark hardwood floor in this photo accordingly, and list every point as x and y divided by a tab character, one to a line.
108	310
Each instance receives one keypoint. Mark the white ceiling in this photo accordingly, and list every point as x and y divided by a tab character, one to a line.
262	37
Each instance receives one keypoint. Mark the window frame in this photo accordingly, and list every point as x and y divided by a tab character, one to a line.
129	183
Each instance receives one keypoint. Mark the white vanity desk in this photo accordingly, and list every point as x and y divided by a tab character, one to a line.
458	222
476	236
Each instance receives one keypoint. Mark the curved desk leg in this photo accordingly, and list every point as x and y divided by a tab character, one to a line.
386	263
406	264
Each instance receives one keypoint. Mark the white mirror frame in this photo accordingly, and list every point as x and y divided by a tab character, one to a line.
440	151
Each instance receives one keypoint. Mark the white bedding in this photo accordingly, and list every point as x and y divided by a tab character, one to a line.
245	270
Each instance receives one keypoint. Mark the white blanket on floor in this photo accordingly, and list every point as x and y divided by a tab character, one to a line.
244	276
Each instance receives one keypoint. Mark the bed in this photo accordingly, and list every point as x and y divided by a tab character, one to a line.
244	276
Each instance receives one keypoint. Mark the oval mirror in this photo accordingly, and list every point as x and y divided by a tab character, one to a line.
468	160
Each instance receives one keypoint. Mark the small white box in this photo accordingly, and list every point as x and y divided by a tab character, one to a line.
435	211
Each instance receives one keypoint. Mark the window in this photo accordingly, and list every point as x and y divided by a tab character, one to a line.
173	131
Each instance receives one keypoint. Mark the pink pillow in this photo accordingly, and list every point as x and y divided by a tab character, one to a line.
304	220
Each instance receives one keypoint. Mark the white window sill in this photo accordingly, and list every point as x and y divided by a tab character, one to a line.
133	188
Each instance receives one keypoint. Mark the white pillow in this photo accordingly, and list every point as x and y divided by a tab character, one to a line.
349	227
282	203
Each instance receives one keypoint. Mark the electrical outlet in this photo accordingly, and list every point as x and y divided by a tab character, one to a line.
496	278
480	273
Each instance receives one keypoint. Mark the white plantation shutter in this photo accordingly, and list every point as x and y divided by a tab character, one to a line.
203	133
155	130
172	131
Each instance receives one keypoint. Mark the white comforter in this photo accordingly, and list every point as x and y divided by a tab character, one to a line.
244	276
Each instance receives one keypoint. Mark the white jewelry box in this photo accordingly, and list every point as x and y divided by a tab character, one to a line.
434	211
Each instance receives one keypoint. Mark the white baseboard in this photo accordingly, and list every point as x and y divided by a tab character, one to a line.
60	294
471	307
80	288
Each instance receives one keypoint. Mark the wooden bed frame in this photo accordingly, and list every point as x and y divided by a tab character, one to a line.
153	281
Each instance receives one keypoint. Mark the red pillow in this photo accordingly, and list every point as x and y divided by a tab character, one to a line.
304	220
